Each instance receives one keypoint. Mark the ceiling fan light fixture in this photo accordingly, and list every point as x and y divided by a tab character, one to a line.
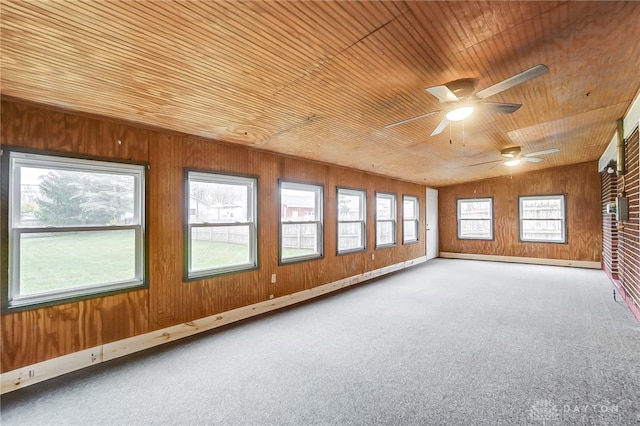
460	113
512	163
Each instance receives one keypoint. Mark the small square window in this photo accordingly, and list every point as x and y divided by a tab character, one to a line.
542	219
300	222
475	219
351	220
221	226
76	228
385	220
410	219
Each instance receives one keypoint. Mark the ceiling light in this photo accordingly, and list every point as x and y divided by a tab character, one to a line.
460	113
512	163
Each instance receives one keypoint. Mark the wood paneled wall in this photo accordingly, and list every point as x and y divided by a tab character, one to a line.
580	183
39	334
629	235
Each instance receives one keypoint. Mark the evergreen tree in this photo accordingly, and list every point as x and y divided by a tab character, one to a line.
59	201
77	199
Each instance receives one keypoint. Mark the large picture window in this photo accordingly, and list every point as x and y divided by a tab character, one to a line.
76	228
221	228
300	221
475	219
351	220
410	219
542	219
385	220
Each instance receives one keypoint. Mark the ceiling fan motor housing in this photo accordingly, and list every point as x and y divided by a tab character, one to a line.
463	88
510	152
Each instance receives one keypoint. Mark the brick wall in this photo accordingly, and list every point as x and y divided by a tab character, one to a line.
629	235
609	226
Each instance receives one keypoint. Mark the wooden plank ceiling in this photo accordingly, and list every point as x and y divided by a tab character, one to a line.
320	80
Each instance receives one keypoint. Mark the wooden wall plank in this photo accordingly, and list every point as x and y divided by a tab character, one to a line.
37	335
580	183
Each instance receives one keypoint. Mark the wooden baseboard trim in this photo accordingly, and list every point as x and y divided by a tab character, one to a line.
35	373
529	260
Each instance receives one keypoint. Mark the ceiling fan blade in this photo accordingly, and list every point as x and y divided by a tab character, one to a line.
443	93
410	119
545	152
443	124
485	162
510	82
499	107
531	159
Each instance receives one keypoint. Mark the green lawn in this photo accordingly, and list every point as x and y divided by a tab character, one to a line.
63	261
60	261
207	254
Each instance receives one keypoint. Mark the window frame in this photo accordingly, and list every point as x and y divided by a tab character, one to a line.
12	159
318	190
249	181
363	221
563	220
394	221
459	220
415	220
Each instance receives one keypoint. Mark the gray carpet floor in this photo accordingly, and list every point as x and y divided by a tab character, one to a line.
448	342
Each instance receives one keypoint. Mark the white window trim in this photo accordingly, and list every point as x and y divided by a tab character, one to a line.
393	220
414	222
563	220
490	220
318	191
363	221
252	202
21	159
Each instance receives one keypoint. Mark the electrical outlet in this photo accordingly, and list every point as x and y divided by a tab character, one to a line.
270	296
373	256
273	278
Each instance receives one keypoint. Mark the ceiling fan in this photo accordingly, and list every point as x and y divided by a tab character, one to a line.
512	157
461	100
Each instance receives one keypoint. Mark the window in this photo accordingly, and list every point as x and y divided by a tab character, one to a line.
385	220
410	219
221	226
300	222
351	220
475	219
76	228
542	219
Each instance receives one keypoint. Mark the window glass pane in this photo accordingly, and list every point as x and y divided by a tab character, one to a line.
64	260
219	247
384	208
542	219
299	239
51	197
475	218
298	205
475	228
409	208
212	202
474	209
410	230
350	236
384	233
542	209
350	207
83	201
